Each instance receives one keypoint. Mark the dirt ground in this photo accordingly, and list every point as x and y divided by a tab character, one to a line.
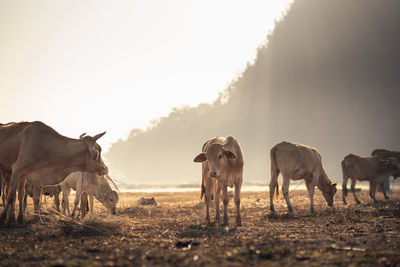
175	233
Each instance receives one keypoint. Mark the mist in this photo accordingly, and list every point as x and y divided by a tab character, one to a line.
328	77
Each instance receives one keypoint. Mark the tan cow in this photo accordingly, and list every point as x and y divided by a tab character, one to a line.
386	154
35	150
222	160
94	185
372	169
297	162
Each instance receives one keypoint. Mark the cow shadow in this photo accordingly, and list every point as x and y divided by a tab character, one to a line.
202	230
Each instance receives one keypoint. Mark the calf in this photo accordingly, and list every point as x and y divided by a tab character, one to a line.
372	169
297	162
94	186
47	191
222	161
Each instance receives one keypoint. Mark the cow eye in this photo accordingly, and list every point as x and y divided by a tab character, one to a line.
220	156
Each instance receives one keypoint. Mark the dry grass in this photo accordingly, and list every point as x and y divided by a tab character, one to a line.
174	233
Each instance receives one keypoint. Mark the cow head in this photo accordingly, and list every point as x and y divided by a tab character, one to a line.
94	162
108	198
328	193
217	157
391	166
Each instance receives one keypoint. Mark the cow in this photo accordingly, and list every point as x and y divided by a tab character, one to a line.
93	185
222	161
386	154
47	191
297	162
36	151
372	169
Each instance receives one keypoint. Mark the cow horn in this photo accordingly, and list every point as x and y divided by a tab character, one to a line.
82	135
97	136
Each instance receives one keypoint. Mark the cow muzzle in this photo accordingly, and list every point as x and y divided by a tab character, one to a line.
102	170
214	174
114	210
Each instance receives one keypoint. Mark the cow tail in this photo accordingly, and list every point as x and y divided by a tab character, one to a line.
344	186
203	190
274	168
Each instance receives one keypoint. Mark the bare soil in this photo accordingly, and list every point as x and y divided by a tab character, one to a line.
175	233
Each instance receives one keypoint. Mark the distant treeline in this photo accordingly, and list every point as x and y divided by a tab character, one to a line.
328	78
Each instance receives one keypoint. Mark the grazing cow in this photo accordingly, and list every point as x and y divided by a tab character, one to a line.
372	169
94	186
222	160
47	191
298	162
386	154
35	150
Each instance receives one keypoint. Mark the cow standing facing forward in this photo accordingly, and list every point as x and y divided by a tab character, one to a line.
298	162
372	169
222	160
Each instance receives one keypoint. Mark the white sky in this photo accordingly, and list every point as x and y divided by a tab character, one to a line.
90	66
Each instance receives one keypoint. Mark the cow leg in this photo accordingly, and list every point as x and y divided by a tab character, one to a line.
383	190
91	200
25	201
237	203
84	204
77	196
216	198
9	210
311	190
344	189
353	190
208	198
225	200
57	201
65	201
21	198
272	187
372	189
285	190
37	191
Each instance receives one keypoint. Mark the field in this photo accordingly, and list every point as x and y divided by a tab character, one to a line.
174	233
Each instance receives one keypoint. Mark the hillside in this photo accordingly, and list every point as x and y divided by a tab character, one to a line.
328	78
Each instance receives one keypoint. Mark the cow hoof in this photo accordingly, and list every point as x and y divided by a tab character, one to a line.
239	223
344	203
11	220
2	220
20	219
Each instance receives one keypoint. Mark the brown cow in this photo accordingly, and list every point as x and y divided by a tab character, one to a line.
35	150
386	154
298	162
372	169
222	160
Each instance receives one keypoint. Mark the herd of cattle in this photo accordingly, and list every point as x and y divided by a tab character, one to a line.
36	160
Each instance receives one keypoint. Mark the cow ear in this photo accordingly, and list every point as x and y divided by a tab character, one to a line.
82	135
97	136
230	154
200	157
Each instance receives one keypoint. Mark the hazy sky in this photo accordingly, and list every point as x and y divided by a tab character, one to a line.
90	66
